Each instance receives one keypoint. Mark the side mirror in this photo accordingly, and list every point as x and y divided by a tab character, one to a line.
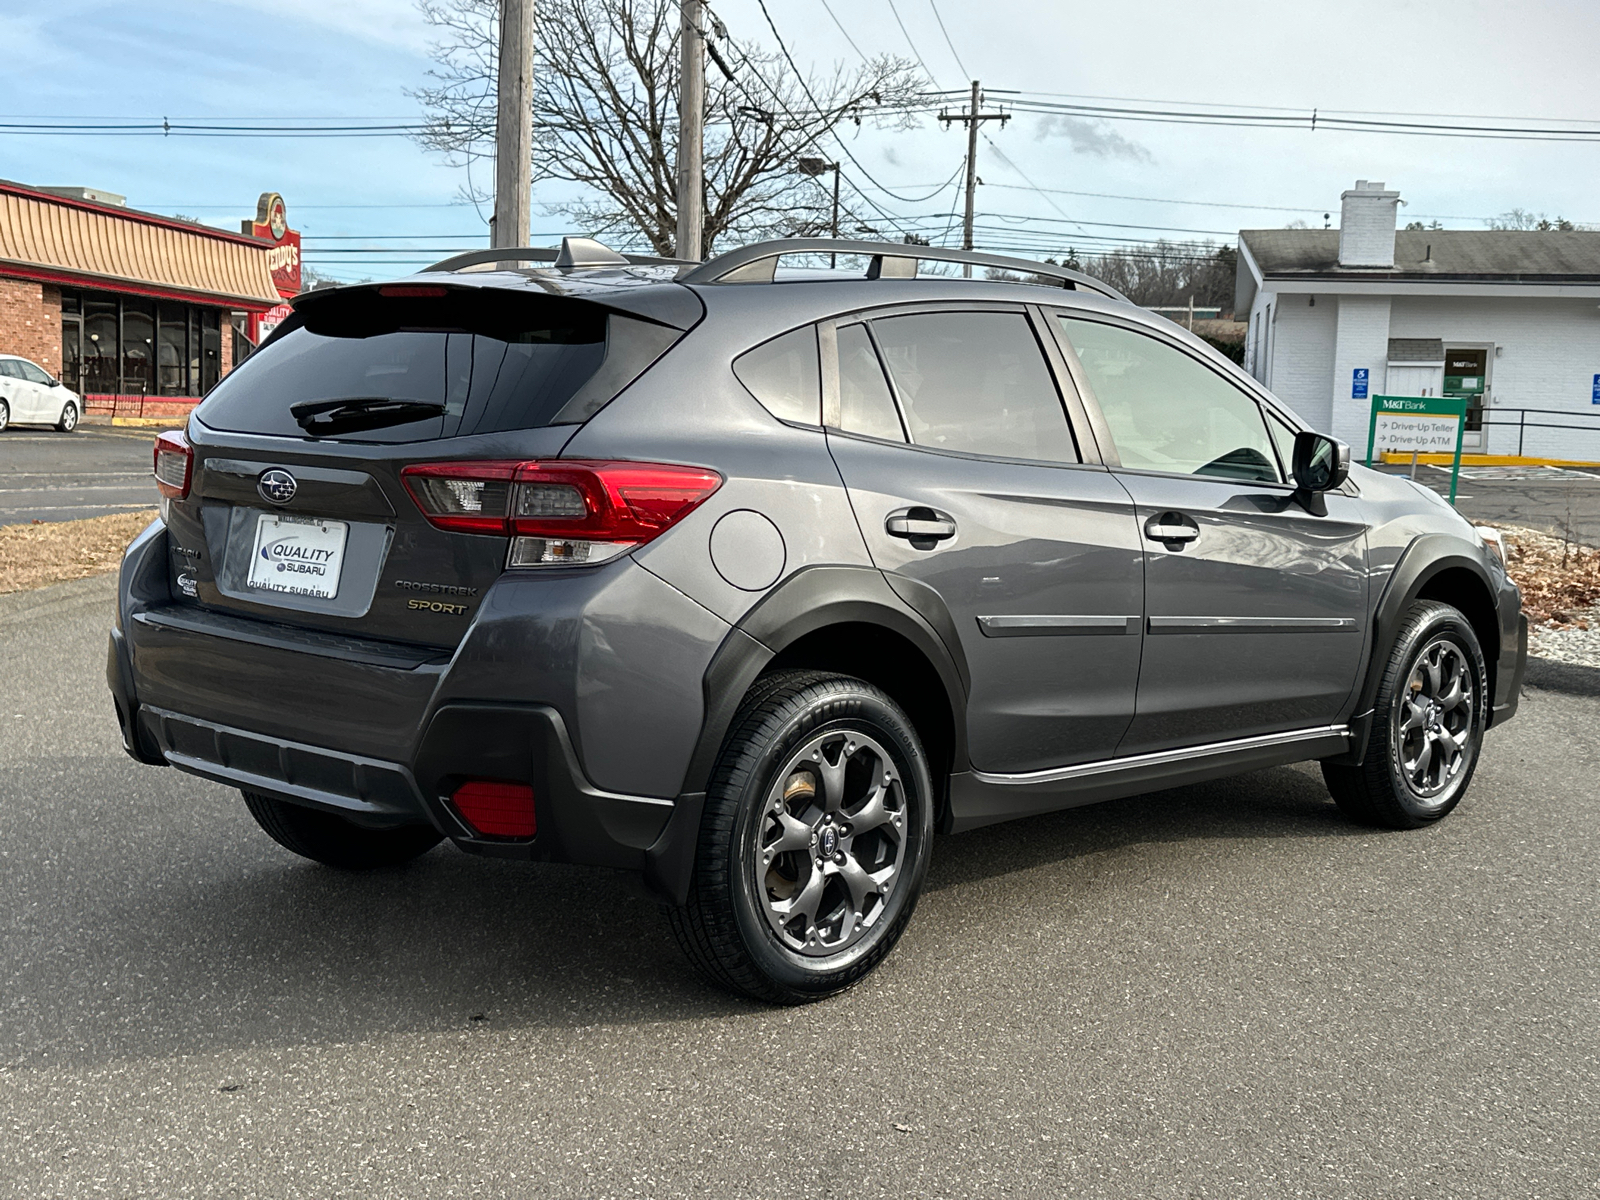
55	383
1321	464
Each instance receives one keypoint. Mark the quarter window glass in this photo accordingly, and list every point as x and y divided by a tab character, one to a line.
783	374
1166	411
976	382
865	402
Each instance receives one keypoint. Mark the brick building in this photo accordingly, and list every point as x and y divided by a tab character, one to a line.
1508	320
121	303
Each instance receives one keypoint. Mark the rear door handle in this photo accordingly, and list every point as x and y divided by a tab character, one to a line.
923	527
1171	528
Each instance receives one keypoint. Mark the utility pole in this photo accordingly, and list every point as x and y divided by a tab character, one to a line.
972	118
513	126
691	131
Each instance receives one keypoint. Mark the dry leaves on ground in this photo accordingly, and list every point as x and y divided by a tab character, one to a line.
1559	578
33	556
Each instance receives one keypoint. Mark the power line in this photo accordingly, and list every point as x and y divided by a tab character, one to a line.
829	8
915	53
947	41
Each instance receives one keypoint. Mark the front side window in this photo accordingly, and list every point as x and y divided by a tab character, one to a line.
976	382
32	373
783	374
1168	412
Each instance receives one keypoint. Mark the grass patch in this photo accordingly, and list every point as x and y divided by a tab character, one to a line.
46	552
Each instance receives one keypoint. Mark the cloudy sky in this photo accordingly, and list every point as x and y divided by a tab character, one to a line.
1048	178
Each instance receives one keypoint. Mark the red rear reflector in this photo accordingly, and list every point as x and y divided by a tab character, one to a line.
174	464
425	291
496	809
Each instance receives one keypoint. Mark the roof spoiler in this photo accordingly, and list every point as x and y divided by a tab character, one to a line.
889	260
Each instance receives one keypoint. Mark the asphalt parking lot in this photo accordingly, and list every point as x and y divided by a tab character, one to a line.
1219	991
92	472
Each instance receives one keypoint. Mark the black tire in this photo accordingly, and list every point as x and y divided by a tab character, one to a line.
69	418
1382	791
329	839
5	416
726	928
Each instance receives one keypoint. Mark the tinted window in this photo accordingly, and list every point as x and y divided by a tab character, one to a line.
1167	412
33	374
783	374
11	368
495	361
976	382
865	402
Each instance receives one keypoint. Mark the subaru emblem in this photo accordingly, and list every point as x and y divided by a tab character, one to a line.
277	487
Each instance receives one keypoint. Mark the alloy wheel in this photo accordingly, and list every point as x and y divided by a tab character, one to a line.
1434	724
831	843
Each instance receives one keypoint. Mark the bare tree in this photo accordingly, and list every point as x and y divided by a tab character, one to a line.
1522	219
606	117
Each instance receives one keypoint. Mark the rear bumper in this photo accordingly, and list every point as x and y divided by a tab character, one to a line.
384	734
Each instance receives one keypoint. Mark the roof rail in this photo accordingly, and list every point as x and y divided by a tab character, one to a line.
890	260
574	252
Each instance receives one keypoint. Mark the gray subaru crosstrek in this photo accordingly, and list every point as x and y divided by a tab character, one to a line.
750	579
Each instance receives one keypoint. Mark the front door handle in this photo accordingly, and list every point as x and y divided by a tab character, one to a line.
1172	529
923	527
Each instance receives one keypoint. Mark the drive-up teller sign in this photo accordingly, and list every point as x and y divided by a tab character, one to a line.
1418	425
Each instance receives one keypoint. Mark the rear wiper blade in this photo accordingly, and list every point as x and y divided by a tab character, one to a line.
355	413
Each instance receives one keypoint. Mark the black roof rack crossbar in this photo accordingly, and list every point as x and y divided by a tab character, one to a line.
890	260
574	252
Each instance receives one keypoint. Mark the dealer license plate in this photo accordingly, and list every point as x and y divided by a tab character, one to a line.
298	555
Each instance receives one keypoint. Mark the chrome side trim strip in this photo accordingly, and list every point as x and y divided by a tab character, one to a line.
1051	624
1162	757
1250	624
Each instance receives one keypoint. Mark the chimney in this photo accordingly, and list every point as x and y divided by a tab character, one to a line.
1366	225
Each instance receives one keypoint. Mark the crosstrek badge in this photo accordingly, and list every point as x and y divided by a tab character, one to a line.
302	556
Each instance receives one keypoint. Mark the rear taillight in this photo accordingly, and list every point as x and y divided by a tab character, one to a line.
174	464
496	809
559	512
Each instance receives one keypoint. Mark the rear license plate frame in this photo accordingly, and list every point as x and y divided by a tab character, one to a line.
308	563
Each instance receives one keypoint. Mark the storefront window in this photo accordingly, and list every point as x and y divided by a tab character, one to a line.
138	345
130	345
211	344
172	336
102	336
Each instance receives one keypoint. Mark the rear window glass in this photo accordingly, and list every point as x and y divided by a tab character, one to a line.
976	382
783	374
494	362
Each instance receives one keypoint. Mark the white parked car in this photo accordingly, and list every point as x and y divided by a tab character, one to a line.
29	396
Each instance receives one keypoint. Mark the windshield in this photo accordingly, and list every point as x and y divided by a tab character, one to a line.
494	362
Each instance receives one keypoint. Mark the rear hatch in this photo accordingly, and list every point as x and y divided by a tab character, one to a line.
296	510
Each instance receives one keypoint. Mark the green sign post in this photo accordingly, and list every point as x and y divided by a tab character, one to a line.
1419	425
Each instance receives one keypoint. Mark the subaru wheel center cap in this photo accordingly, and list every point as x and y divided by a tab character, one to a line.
828	843
277	486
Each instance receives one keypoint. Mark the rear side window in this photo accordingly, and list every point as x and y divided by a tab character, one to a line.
977	383
865	403
493	361
11	368
1168	412
785	376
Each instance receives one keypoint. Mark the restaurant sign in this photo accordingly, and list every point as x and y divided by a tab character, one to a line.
271	224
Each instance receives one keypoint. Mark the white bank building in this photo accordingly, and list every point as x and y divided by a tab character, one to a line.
1508	320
